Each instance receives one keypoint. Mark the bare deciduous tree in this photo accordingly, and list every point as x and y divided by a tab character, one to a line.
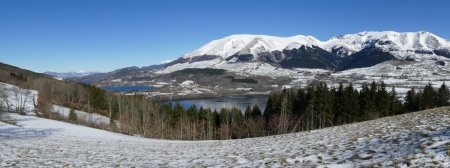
21	98
4	102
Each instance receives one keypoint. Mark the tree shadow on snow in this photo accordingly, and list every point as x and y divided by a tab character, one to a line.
23	133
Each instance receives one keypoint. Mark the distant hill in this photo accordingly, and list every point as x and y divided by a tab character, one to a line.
64	75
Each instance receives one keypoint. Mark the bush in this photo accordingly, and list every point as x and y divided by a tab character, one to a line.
72	115
245	80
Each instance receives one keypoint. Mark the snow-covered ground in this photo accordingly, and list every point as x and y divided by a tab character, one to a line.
14	98
90	118
420	139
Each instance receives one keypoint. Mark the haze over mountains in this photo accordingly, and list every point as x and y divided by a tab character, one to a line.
81	73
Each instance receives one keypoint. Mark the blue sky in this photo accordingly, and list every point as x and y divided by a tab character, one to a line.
103	35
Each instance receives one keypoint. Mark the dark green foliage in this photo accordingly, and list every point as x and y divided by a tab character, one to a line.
318	106
244	80
18	76
443	96
315	106
396	106
428	98
202	71
273	106
192	113
176	114
253	112
412	100
97	97
382	101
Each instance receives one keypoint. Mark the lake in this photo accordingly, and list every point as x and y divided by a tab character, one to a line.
241	102
127	88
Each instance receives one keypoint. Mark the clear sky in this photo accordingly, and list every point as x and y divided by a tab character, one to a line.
103	35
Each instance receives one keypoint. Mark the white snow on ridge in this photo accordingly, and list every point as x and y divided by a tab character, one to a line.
412	140
254	44
251	44
399	44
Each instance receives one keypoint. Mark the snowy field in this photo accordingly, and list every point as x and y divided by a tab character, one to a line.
420	139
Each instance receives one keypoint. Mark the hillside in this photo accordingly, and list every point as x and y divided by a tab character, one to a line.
419	139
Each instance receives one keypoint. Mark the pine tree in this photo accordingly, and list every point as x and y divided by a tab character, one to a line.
365	102
352	101
248	112
428	97
443	96
396	106
411	101
192	113
256	111
382	100
339	102
176	115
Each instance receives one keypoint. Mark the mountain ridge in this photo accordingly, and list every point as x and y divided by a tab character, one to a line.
337	53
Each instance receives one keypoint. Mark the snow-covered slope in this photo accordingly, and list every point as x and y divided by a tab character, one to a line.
90	118
400	44
251	44
13	98
254	44
418	139
339	53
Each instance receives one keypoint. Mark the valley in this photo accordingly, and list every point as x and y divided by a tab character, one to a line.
198	83
259	64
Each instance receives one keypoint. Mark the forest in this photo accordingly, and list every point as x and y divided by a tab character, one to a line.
313	107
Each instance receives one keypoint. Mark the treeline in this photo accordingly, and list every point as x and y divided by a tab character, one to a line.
316	106
427	98
319	106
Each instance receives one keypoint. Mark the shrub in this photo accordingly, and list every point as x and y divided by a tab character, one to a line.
72	115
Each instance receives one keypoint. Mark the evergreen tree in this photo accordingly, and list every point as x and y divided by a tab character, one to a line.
352	105
339	103
248	112
177	113
365	100
300	102
396	105
428	97
443	96
411	101
192	113
382	101
256	111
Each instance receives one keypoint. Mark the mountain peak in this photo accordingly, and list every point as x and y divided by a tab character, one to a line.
251	44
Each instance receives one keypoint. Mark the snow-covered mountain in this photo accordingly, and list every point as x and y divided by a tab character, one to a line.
343	52
400	44
252	44
63	75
